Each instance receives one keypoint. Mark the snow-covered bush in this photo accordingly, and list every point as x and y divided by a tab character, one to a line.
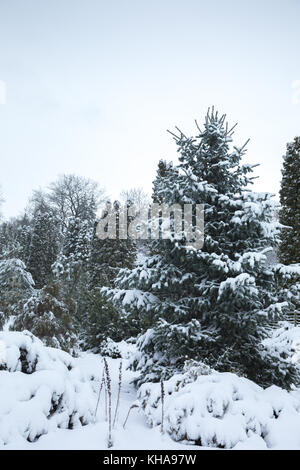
110	348
102	321
222	410
48	318
41	389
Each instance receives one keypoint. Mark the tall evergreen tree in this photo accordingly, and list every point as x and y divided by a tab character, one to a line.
71	267
76	243
289	249
213	304
15	236
43	247
16	285
107	257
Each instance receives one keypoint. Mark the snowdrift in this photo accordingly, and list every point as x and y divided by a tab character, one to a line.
41	389
223	410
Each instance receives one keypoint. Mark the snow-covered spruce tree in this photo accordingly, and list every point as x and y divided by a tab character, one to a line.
215	304
289	249
16	285
46	316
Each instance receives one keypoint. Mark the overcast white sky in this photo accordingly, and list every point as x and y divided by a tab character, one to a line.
92	86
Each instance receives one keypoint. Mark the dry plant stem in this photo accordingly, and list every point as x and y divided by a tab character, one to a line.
105	383
131	408
108	383
162	406
119	393
100	390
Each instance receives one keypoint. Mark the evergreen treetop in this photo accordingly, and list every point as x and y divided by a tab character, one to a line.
290	204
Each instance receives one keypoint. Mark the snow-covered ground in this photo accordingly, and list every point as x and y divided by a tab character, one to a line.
136	435
213	407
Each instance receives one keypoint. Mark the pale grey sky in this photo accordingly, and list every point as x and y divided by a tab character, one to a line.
92	86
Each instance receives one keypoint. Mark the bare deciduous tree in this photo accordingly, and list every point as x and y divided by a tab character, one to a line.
137	196
75	196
